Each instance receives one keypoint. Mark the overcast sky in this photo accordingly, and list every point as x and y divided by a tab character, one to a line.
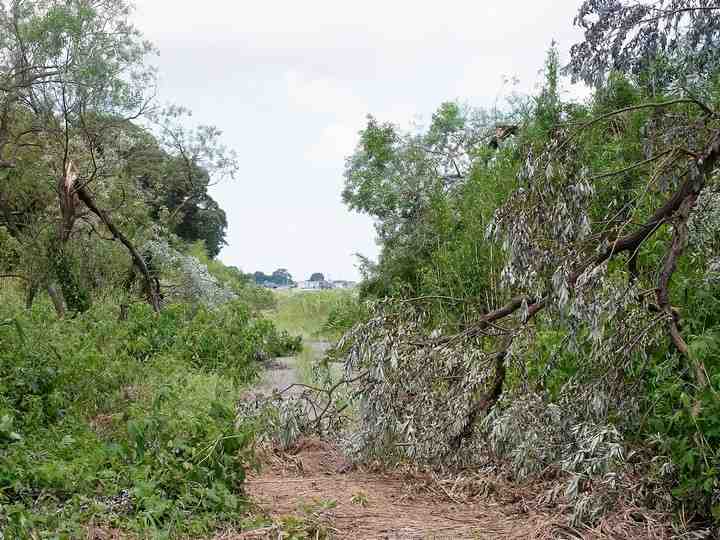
290	83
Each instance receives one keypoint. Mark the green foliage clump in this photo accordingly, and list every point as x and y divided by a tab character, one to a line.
576	244
344	314
67	273
684	424
131	423
259	299
225	341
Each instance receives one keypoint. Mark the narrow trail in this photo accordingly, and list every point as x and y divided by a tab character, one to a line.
285	371
315	484
364	504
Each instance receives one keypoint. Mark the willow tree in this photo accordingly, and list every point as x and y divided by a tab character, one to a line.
76	71
403	180
609	240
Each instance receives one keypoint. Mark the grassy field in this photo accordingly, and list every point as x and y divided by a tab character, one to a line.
306	313
310	314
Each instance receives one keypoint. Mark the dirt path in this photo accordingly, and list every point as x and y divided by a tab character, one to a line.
314	485
362	504
284	372
280	373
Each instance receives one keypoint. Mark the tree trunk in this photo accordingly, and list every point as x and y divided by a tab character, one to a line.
30	294
151	286
57	300
486	402
68	202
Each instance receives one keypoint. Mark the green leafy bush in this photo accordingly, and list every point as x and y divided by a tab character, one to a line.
187	455
130	423
257	298
148	335
684	424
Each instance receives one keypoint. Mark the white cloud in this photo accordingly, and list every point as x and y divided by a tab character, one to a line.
335	143
290	84
319	95
399	20
342	113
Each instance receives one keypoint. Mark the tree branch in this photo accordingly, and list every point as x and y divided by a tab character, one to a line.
677	247
692	186
153	293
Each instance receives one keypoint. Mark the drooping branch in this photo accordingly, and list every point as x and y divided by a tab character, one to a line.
691	187
508	309
660	105
312	392
677	246
488	400
152	291
678	207
485	403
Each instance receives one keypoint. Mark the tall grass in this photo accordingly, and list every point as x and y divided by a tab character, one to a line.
306	312
316	316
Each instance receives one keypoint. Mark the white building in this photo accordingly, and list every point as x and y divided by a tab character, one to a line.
308	285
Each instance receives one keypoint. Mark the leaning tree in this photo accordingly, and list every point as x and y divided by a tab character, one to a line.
76	72
611	229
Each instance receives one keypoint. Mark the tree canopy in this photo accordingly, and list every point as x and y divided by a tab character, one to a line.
280	277
84	147
554	265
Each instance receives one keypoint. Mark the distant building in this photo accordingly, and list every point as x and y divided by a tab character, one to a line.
325	285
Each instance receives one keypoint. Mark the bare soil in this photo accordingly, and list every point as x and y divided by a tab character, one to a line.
316	483
363	504
280	374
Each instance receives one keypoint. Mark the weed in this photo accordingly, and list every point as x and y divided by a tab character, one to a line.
127	424
360	498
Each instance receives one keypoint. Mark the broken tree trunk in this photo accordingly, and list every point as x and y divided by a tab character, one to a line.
138	261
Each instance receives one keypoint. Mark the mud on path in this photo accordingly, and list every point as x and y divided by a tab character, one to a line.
282	373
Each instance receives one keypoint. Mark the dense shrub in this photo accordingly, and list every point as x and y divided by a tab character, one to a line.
546	296
130	423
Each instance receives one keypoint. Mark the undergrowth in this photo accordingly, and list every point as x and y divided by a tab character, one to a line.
126	424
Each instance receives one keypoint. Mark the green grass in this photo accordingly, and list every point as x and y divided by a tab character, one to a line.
306	312
316	316
307	360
